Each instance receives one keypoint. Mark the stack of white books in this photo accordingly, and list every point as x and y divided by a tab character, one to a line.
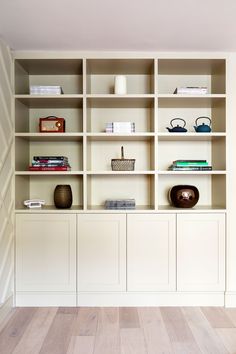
191	90
45	90
120	127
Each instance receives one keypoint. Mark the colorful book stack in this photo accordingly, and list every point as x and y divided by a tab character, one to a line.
190	165
120	127
50	163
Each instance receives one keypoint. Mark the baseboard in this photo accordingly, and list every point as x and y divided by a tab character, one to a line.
120	299
151	299
45	299
5	309
230	299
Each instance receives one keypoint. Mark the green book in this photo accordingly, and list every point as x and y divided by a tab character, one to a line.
190	163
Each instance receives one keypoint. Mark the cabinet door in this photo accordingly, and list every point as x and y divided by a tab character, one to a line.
45	252
200	252
102	252
151	260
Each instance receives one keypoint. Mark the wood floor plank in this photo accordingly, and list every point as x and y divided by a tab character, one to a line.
156	331
35	333
107	339
59	334
217	317
155	334
205	336
132	341
129	317
228	337
231	313
16	326
4	322
81	345
86	322
180	335
68	310
108	318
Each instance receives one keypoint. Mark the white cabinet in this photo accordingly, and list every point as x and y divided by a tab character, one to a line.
101	252
201	252
45	253
151	244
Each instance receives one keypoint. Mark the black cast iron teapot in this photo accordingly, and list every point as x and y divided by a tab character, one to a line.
177	128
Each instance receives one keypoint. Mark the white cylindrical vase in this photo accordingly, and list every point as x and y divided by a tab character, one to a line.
120	85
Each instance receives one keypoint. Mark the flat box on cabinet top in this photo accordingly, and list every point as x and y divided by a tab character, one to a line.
52	125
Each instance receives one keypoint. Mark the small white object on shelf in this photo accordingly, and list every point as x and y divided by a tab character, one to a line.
120	85
34	203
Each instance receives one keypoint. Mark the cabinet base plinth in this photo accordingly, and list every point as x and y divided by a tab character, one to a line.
98	299
230	299
45	299
151	299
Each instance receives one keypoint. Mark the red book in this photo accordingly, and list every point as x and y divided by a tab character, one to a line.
55	168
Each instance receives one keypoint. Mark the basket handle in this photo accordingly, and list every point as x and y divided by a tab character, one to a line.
122	152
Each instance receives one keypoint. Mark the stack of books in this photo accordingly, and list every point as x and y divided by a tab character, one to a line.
120	204
50	163
190	165
120	127
191	90
45	90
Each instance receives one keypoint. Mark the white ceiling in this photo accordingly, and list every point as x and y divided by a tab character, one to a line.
132	25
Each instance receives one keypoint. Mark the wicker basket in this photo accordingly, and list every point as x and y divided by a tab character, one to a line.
122	164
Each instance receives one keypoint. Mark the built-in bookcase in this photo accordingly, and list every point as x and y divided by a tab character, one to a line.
89	103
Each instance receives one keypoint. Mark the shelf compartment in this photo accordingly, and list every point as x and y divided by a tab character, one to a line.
103	110
190	136
25	149
120	137
115	173
28	110
42	187
50	136
100	153
66	73
213	172
174	73
190	108
211	150
139	187
101	74
196	209
212	189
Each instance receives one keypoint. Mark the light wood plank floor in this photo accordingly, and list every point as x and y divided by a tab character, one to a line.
146	330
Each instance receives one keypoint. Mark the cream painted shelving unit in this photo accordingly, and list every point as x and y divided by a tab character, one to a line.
88	103
123	257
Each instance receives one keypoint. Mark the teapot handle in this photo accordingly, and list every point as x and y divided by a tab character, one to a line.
203	117
177	119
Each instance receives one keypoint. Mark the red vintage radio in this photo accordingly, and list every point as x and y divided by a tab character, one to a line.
51	124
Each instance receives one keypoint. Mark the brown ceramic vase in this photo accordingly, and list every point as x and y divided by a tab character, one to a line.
184	196
63	196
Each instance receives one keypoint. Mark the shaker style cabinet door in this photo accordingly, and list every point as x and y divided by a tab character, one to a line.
45	252
101	252
201	252
151	250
